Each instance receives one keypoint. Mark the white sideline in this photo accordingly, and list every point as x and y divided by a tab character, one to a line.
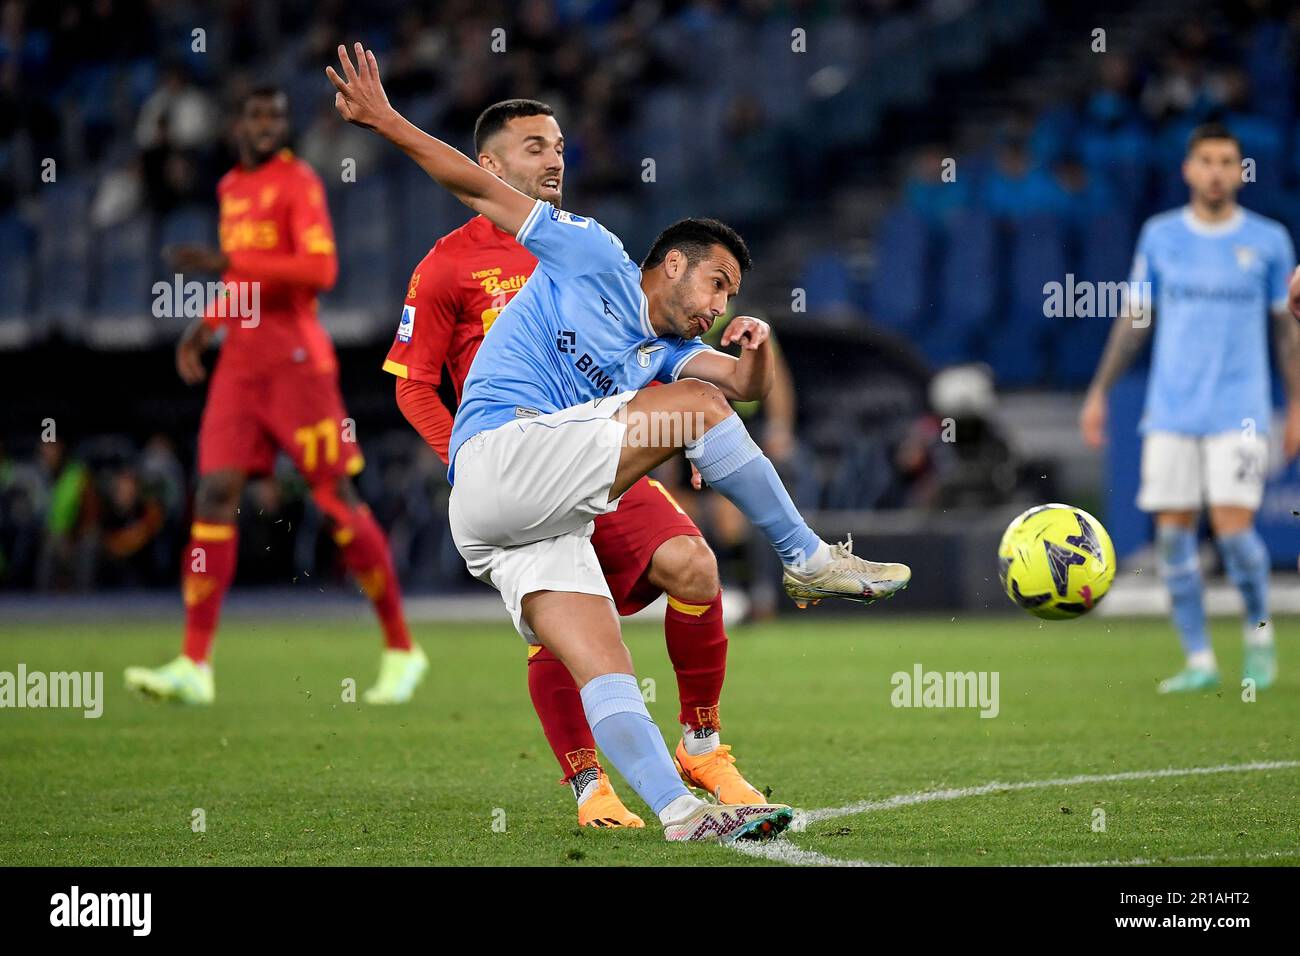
785	852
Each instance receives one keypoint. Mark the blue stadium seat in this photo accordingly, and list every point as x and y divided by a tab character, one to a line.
16	276
362	210
970	284
827	282
1106	253
63	253
1017	348
189	224
900	291
123	270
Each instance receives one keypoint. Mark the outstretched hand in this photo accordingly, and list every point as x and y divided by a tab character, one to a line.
360	99
747	330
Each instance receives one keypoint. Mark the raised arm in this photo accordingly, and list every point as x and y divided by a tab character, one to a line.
1128	335
361	101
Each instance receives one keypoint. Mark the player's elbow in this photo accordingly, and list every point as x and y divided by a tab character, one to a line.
326	273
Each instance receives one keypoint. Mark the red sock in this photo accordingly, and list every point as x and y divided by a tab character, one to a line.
697	646
365	552
207	569
559	707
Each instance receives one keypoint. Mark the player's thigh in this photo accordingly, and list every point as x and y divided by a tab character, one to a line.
649	546
1235	467
232	437
662	421
536	478
581	630
1171	473
562	563
304	412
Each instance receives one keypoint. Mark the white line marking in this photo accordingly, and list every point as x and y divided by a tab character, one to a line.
804	817
782	851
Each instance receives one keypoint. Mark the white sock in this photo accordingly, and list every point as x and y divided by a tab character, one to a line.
1203	661
584	784
698	741
820	557
1258	635
680	809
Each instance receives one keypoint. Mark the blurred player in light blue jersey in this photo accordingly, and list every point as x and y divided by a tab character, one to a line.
556	424
1215	275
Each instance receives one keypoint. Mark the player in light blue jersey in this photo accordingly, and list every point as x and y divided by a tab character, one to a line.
1214	275
555	424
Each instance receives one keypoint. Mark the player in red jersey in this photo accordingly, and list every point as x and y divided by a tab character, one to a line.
275	387
647	547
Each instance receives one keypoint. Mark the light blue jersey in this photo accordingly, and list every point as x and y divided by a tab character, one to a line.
578	330
1213	287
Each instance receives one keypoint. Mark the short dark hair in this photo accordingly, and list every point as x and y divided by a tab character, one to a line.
267	92
695	237
1210	131
494	119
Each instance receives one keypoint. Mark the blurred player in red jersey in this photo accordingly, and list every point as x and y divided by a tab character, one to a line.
647	547
275	387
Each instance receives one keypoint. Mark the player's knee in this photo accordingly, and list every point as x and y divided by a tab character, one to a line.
687	569
707	399
336	500
217	495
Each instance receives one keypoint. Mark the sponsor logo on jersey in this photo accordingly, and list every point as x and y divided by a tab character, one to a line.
493	285
568	218
595	374
608	311
406	327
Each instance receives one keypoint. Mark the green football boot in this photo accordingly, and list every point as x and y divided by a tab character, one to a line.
1260	665
399	673
181	681
1189	679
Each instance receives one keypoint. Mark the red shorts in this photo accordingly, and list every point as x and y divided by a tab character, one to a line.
296	409
625	540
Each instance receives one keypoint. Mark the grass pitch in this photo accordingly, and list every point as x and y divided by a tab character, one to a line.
287	773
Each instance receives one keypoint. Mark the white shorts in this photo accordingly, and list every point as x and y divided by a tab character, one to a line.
525	497
1188	472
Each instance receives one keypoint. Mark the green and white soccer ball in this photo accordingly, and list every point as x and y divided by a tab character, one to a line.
1056	561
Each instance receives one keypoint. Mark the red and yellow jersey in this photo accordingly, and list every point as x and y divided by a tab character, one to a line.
275	230
455	294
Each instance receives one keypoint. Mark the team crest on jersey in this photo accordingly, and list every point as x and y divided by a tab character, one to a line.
406	327
1246	257
559	215
644	352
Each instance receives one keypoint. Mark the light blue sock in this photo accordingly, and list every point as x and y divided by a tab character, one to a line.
729	460
1180	566
1245	558
630	739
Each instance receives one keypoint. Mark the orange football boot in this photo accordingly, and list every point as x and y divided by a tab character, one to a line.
716	772
604	810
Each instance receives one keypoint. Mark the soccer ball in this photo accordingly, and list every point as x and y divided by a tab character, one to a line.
1056	561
